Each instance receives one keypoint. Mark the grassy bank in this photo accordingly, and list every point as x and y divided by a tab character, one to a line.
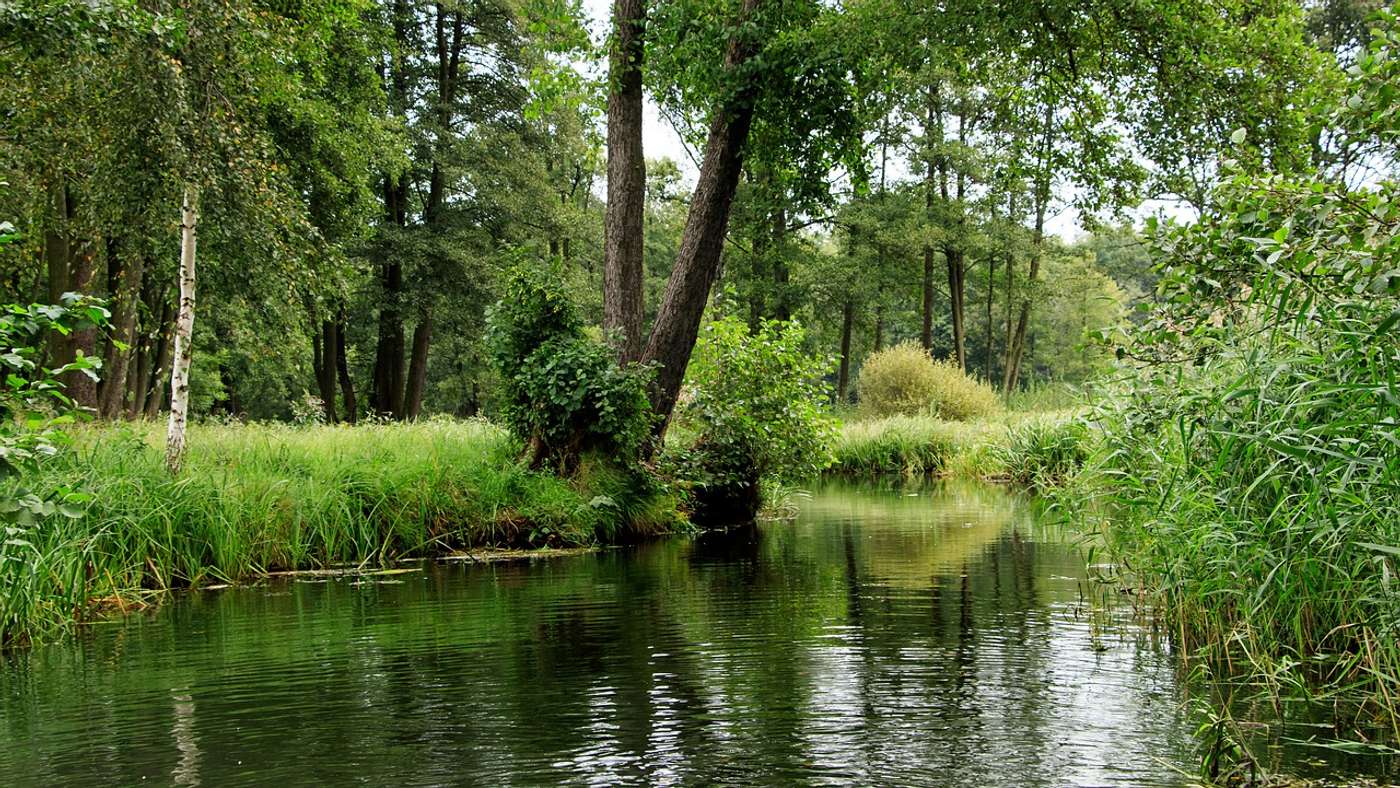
256	498
1033	449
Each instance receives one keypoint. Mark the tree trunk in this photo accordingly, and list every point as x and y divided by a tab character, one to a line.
388	364
843	376
622	242
342	367
782	304
184	334
956	294
145	350
926	336
991	291
325	346
879	328
1010	324
688	288
124	314
57	256
930	181
418	366
165	351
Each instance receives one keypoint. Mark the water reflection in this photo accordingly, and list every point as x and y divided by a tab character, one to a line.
928	638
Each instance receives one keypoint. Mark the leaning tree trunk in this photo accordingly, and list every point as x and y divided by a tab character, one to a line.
688	288
622	242
184	334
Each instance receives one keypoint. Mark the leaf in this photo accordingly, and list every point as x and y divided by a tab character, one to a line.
1237	136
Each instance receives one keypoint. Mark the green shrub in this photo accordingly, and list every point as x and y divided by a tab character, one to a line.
904	381
1252	465
896	381
957	396
562	392
756	405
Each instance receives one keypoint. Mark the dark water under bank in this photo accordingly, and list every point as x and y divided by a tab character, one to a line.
935	637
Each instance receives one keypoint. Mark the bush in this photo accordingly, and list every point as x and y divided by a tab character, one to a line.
960	397
756	404
904	381
563	394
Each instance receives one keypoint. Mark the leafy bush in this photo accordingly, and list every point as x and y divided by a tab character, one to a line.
903	381
33	405
563	394
756	404
958	396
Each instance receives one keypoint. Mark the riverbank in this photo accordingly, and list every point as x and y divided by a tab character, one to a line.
1034	449
255	498
260	498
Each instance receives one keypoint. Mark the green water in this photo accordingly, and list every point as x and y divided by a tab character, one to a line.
934	637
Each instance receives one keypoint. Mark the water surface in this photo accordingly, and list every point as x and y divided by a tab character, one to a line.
921	637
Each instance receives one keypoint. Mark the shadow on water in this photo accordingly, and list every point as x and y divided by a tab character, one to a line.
922	636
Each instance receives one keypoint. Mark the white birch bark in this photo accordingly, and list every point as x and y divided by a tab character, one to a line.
184	333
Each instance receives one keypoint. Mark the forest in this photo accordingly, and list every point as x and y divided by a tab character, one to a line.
303	284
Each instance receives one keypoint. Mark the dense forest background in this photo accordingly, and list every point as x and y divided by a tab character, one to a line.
367	171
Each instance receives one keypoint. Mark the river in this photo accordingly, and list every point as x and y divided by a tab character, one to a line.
913	636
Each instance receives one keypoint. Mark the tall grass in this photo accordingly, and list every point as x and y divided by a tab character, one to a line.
255	498
1258	498
1016	446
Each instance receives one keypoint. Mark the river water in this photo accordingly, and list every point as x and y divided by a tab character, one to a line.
935	636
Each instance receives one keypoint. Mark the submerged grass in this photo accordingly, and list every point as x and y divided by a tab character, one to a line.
257	498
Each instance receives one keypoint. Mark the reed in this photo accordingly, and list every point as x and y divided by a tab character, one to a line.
1257	499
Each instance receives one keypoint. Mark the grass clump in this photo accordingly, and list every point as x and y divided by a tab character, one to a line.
1039	450
257	498
904	381
1044	452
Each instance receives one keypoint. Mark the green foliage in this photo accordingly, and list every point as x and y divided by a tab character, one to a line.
756	403
897	381
254	498
563	393
1252	458
34	408
1038	451
903	380
1042	453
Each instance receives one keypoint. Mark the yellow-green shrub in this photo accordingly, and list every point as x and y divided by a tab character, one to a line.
903	380
960	397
